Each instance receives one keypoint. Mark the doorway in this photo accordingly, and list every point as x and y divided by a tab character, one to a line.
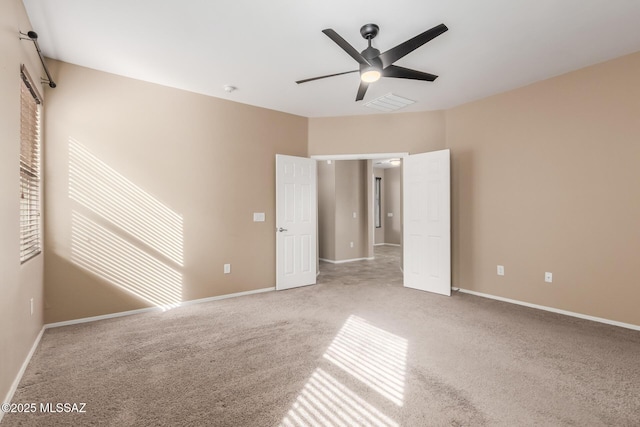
426	215
349	208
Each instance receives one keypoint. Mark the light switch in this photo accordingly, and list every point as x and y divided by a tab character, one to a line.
227	268
390	214
258	217
355	215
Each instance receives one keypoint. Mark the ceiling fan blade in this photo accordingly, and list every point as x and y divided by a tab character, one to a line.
324	77
406	73
345	46
362	89
395	53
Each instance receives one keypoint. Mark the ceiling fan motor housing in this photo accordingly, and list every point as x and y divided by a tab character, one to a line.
371	55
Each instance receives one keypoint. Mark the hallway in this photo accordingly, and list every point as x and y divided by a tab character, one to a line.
384	269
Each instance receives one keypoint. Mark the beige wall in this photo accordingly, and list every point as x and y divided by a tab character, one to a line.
342	190
351	196
377	133
153	189
18	283
327	209
546	178
392	230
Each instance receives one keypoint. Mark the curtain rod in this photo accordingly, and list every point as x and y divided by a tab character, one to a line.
33	36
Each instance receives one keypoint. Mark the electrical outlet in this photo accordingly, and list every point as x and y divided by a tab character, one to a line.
227	268
501	270
351	244
548	277
355	215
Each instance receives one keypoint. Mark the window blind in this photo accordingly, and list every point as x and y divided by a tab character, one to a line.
30	239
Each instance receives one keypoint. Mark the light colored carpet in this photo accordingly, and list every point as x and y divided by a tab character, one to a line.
356	349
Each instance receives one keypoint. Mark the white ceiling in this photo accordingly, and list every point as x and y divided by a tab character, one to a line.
263	47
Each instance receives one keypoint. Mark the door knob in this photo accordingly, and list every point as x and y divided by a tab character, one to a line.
282	229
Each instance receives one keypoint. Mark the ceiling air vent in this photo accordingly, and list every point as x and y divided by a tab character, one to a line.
389	102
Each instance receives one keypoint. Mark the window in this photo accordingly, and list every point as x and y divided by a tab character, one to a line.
30	102
378	207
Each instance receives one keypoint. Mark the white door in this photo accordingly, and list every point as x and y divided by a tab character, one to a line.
427	222
296	213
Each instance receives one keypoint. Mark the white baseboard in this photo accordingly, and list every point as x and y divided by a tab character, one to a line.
378	244
150	309
220	297
23	368
387	244
551	309
342	261
102	317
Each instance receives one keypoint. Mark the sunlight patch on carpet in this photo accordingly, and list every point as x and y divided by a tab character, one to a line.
324	401
372	355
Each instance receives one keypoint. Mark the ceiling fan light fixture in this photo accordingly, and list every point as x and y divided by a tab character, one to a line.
370	75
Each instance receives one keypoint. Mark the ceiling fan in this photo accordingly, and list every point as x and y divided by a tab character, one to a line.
374	64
